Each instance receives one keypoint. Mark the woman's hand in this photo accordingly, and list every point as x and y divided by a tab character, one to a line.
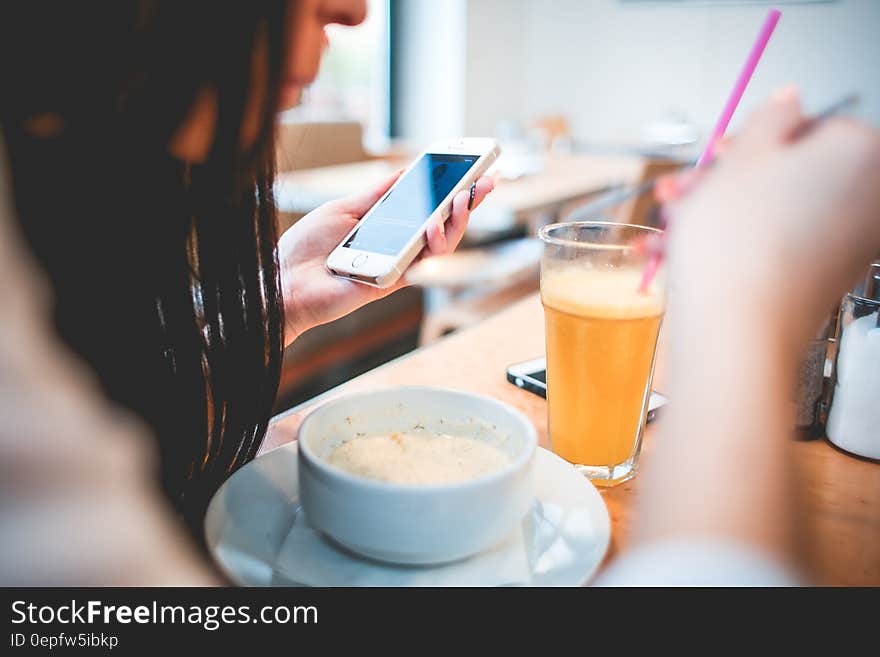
311	295
781	226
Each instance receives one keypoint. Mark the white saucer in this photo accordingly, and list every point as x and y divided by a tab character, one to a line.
259	536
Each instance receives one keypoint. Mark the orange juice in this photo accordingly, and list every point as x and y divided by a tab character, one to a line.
601	338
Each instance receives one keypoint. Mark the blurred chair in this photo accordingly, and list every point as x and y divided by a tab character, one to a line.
642	210
332	353
467	286
310	145
555	131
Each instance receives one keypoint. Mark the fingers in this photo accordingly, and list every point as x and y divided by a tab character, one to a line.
359	204
723	145
445	237
484	185
462	207
772	124
769	126
649	245
436	237
457	223
674	186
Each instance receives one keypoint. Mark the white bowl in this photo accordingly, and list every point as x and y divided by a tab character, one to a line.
415	524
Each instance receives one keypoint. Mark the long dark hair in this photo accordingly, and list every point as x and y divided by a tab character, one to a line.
165	274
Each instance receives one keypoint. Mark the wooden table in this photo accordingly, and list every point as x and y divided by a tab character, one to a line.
563	179
841	494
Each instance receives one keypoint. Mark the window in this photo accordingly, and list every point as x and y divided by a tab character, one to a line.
353	82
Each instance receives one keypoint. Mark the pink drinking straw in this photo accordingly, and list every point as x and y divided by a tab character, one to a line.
736	94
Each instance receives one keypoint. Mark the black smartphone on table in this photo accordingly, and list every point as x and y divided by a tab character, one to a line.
531	375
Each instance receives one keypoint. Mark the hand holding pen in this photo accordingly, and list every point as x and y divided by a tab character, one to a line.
784	221
671	188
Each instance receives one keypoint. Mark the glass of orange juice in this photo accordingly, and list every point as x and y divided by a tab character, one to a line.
601	342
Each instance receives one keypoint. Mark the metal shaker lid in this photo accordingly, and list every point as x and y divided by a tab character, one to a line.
869	287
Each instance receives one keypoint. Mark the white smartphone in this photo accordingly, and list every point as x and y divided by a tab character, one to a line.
392	233
532	376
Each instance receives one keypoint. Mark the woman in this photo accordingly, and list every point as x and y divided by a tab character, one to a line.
83	510
140	138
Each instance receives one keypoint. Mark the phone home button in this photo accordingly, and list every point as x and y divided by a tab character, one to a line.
359	260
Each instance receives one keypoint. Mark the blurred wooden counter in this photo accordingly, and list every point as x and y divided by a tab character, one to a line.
841	493
561	180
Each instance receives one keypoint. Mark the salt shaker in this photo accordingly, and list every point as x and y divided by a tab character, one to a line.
854	418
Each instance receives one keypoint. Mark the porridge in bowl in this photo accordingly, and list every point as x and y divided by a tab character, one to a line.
415	475
418	458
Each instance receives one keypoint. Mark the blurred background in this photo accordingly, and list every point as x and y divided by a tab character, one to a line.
586	96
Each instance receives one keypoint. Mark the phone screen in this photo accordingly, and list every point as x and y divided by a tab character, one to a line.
404	210
539	375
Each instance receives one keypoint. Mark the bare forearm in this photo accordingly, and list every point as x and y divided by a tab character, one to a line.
721	465
758	251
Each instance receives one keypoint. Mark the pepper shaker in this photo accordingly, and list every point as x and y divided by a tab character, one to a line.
810	384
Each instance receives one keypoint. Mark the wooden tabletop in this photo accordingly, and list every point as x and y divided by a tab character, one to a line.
841	494
561	179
